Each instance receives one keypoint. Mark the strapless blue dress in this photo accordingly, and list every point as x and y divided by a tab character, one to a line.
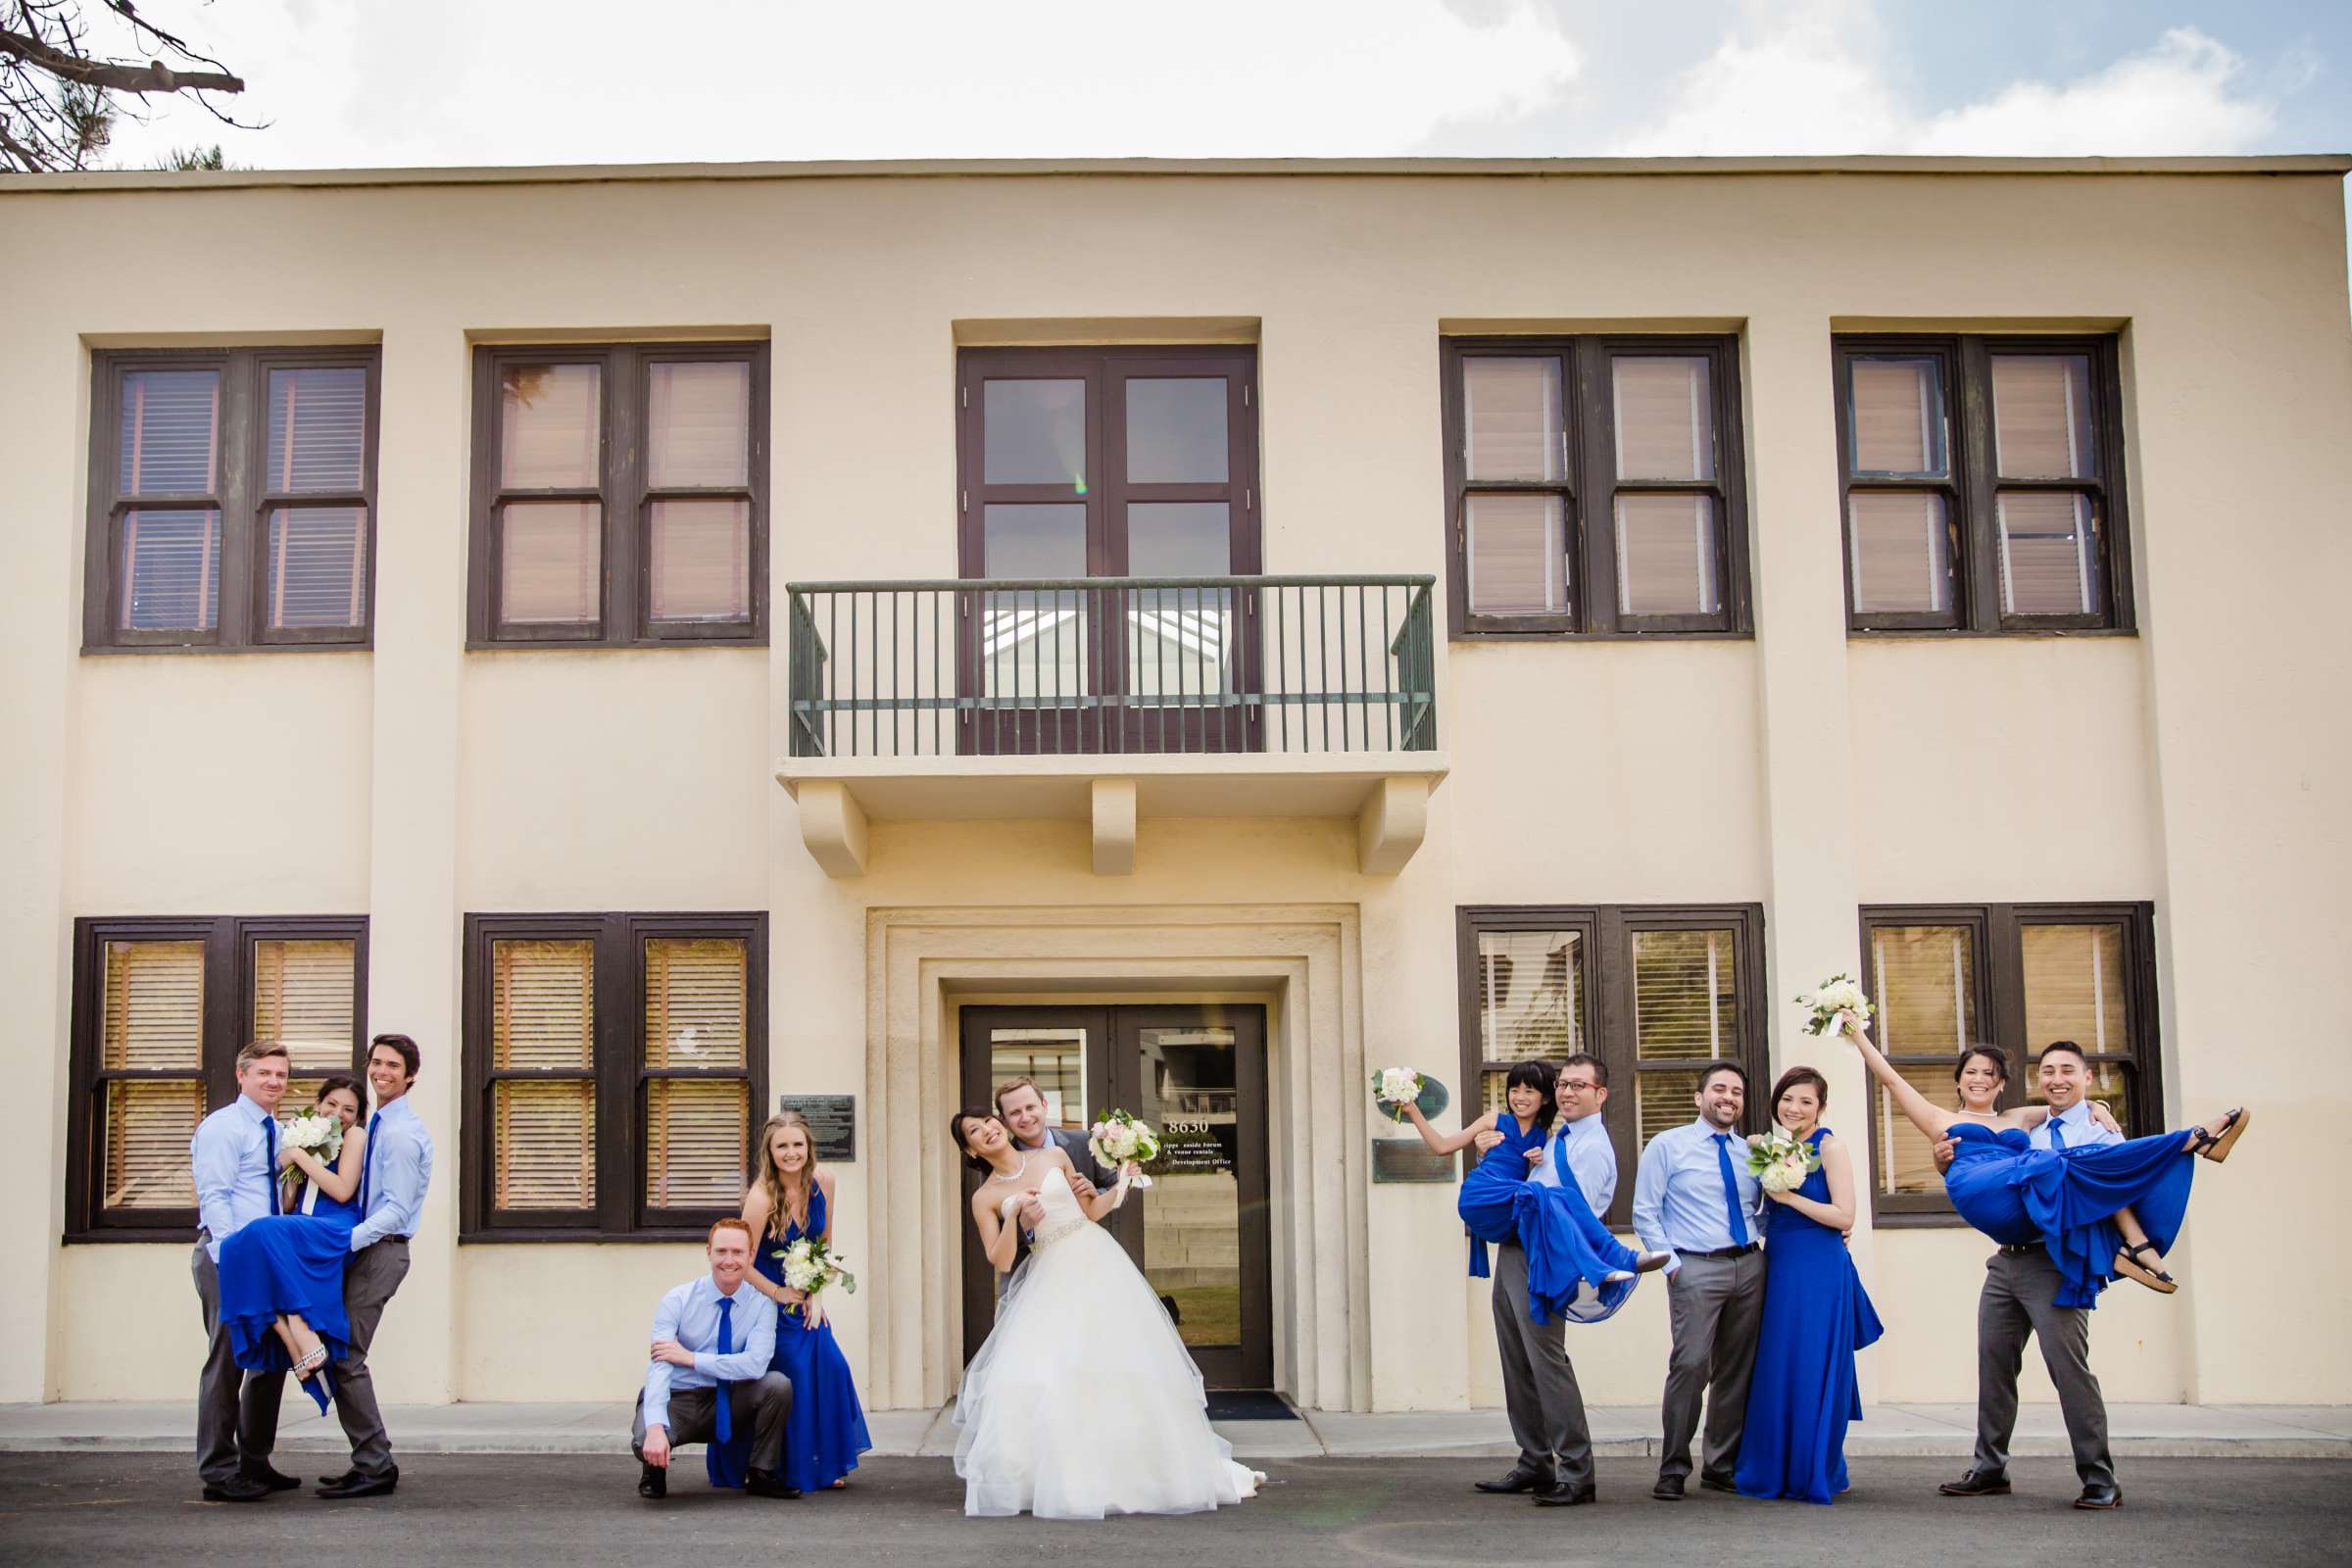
2067	1199
284	1263
1803	1394
1570	1252
826	1433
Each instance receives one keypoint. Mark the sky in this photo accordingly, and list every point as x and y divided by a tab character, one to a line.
347	83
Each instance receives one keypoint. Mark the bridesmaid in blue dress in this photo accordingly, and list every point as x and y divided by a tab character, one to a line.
791	1197
2102	1212
282	1276
1816	1316
1507	1137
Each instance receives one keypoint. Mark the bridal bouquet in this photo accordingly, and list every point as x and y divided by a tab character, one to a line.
320	1136
1780	1161
809	1265
1396	1088
1839	993
1119	1138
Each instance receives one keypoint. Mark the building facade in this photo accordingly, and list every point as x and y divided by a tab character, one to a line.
673	639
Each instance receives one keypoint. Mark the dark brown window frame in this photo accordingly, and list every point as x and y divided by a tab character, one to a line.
620	1214
237	625
626	602
1606	970
1588	414
227	1007
1973	528
1999	988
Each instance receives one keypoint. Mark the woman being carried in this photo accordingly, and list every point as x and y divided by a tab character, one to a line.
2102	1211
1084	1400
281	1277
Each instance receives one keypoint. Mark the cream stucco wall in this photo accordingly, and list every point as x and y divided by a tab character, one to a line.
2200	763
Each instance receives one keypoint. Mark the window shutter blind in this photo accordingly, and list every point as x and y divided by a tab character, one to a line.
1517	546
1666	555
1922	982
149	1125
2074	990
1686	1008
543	1019
553	425
1665	424
696	1011
152	1020
702	560
1897	420
317	566
1902	546
303	998
170	432
697	426
551	568
2041	416
1906	1162
1512	419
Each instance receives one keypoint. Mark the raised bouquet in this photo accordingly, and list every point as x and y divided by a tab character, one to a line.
1396	1088
320	1136
809	1265
1119	1138
1779	1161
1839	993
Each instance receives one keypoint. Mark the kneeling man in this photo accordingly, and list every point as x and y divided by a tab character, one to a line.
714	1337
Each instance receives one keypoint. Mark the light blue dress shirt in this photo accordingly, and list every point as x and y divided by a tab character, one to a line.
1591	1157
689	1315
2081	1131
1678	1192
231	1156
400	1166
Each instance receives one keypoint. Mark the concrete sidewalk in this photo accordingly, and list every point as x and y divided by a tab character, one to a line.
1888	1431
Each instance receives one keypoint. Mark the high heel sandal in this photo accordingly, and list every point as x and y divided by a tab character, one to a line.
2128	1265
2216	1146
308	1368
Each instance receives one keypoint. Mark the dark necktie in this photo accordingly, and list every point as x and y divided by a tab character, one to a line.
1731	1189
269	1144
2057	1133
367	1162
723	1405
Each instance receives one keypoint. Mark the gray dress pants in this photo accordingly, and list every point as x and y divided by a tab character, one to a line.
763	1401
236	1412
2021	1298
1538	1385
1716	1305
373	1274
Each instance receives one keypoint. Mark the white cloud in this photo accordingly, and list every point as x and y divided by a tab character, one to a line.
457	81
1814	80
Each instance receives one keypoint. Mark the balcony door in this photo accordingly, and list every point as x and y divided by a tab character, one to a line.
1200	1234
1078	464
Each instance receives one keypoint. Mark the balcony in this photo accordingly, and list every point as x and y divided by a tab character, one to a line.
1110	699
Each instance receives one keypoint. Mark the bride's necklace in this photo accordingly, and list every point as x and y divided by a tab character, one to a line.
1000	1176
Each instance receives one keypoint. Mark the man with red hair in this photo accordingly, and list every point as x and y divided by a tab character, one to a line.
713	1338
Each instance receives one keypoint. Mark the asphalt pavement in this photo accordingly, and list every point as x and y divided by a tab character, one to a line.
519	1509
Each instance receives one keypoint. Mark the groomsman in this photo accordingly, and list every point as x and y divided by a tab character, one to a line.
2020	1299
1538	1383
714	1337
1022	1106
234	1154
1694	1197
397	1169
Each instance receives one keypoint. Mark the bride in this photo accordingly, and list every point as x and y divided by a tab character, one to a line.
1084	1400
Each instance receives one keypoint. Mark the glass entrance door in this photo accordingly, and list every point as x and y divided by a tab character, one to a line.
1200	1233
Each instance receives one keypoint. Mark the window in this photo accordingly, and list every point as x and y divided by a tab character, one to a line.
2017	976
1675	988
615	1066
161	1010
1595	485
232	498
619	495
1982	485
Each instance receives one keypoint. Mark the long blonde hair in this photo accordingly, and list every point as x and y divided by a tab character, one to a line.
767	1178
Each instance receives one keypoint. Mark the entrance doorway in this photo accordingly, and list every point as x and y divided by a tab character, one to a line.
1200	1233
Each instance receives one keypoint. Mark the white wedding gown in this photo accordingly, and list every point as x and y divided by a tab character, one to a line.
1084	1401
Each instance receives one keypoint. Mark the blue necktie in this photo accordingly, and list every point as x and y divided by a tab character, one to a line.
269	1144
1731	1189
724	1405
367	1162
2057	1133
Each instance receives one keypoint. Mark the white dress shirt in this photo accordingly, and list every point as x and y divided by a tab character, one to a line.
230	1154
2081	1131
400	1166
689	1315
1679	1204
1591	1157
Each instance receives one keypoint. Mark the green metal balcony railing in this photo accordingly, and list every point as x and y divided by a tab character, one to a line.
1095	665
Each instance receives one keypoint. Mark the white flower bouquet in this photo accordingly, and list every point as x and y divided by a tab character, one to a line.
320	1136
1119	1138
1839	993
809	1265
1781	1161
1396	1088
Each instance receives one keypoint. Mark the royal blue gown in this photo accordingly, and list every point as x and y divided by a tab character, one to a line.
2067	1199
826	1431
1802	1394
283	1263
1567	1246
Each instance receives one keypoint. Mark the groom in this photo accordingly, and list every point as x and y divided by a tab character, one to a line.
234	1154
1022	1106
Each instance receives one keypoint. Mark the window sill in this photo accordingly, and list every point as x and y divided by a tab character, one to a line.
1966	634
552	646
1915	1220
230	650
1600	636
520	1236
183	1235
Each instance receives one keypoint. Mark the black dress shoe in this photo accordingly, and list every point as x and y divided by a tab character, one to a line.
236	1489
1520	1478
652	1481
1718	1483
359	1486
1566	1496
1668	1490
271	1480
768	1484
2105	1495
1978	1484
